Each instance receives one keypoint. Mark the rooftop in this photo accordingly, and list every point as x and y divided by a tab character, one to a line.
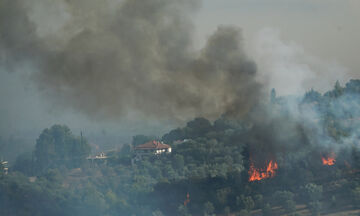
153	145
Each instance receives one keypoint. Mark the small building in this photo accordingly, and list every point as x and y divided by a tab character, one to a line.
100	156
4	166
151	148
32	179
177	142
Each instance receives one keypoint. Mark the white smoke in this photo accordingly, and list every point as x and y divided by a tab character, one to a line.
288	68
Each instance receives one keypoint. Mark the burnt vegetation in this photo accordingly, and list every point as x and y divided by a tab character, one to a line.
208	170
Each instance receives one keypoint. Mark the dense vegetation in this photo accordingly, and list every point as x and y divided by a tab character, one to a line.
207	171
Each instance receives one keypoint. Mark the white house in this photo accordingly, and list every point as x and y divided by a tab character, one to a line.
99	156
152	147
4	164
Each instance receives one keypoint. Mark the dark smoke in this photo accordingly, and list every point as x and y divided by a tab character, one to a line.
110	58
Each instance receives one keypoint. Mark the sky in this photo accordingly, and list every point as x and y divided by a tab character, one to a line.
297	45
312	43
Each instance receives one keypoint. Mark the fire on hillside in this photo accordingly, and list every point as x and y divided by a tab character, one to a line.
256	174
328	160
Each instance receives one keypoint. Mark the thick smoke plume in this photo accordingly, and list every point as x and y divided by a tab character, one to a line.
109	58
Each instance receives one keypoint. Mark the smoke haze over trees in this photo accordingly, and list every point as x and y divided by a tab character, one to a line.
241	151
209	166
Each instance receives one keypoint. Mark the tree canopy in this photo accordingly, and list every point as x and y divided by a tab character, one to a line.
57	146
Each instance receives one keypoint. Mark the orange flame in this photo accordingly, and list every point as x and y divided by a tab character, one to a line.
329	160
256	174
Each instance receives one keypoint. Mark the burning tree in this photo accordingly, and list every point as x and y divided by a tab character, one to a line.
328	160
256	174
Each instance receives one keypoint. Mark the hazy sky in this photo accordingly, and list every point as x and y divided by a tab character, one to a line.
297	44
307	41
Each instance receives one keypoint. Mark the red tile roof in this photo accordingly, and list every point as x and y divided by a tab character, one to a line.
153	145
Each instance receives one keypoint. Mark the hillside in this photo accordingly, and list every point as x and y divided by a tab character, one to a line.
285	157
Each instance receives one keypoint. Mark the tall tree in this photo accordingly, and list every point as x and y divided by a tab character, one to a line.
58	146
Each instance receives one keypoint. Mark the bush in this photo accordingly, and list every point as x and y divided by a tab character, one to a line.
266	210
286	200
157	213
243	213
208	208
183	211
313	192
294	214
356	196
259	199
289	206
315	207
248	203
227	211
333	201
280	197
